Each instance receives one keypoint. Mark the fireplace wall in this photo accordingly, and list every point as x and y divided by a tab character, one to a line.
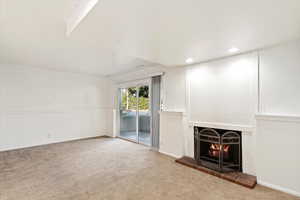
279	96
195	102
176	126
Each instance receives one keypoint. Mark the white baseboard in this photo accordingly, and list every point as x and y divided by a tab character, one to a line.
170	154
276	187
49	142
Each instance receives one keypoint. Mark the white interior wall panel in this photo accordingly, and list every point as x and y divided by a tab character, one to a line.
280	82
224	91
39	106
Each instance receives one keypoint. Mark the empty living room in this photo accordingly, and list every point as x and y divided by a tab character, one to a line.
149	100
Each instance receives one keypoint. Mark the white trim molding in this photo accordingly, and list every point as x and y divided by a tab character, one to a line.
235	127
100	133
277	117
135	83
172	112
279	188
170	154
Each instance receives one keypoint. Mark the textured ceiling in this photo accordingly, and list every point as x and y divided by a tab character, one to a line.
118	36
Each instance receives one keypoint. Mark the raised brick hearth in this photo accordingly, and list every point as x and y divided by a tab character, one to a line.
243	179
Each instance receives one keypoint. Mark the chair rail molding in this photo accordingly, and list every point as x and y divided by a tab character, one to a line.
277	117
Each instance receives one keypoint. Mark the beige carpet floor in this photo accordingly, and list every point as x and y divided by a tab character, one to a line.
105	168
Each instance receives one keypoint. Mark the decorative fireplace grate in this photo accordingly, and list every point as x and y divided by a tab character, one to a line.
218	149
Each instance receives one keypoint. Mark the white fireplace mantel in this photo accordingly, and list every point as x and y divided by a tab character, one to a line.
235	127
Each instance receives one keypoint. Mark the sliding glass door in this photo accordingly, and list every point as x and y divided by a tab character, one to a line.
135	114
144	115
128	113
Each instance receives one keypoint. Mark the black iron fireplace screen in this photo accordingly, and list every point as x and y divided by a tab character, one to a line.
218	149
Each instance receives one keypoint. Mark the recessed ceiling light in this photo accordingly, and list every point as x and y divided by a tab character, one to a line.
189	60
233	50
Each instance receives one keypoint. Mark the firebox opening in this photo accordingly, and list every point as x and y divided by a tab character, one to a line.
218	149
215	150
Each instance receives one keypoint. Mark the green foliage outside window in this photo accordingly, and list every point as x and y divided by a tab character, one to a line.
132	99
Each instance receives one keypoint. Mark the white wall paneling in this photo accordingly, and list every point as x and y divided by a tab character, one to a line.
173	90
278	124
224	91
279	79
218	94
40	106
277	157
228	93
171	134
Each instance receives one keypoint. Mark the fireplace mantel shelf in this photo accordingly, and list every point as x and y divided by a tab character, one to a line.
236	127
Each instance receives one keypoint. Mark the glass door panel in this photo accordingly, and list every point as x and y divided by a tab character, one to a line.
144	115
128	113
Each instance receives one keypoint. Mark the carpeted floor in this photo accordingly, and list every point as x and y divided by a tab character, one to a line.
111	169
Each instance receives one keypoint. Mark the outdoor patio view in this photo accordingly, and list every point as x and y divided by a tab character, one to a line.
135	114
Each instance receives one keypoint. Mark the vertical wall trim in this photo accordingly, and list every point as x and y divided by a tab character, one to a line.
2	10
188	94
259	84
118	112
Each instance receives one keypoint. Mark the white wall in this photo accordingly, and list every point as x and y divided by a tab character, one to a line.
271	142
223	91
219	94
171	137
173	87
278	160
278	124
39	106
279	79
172	118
